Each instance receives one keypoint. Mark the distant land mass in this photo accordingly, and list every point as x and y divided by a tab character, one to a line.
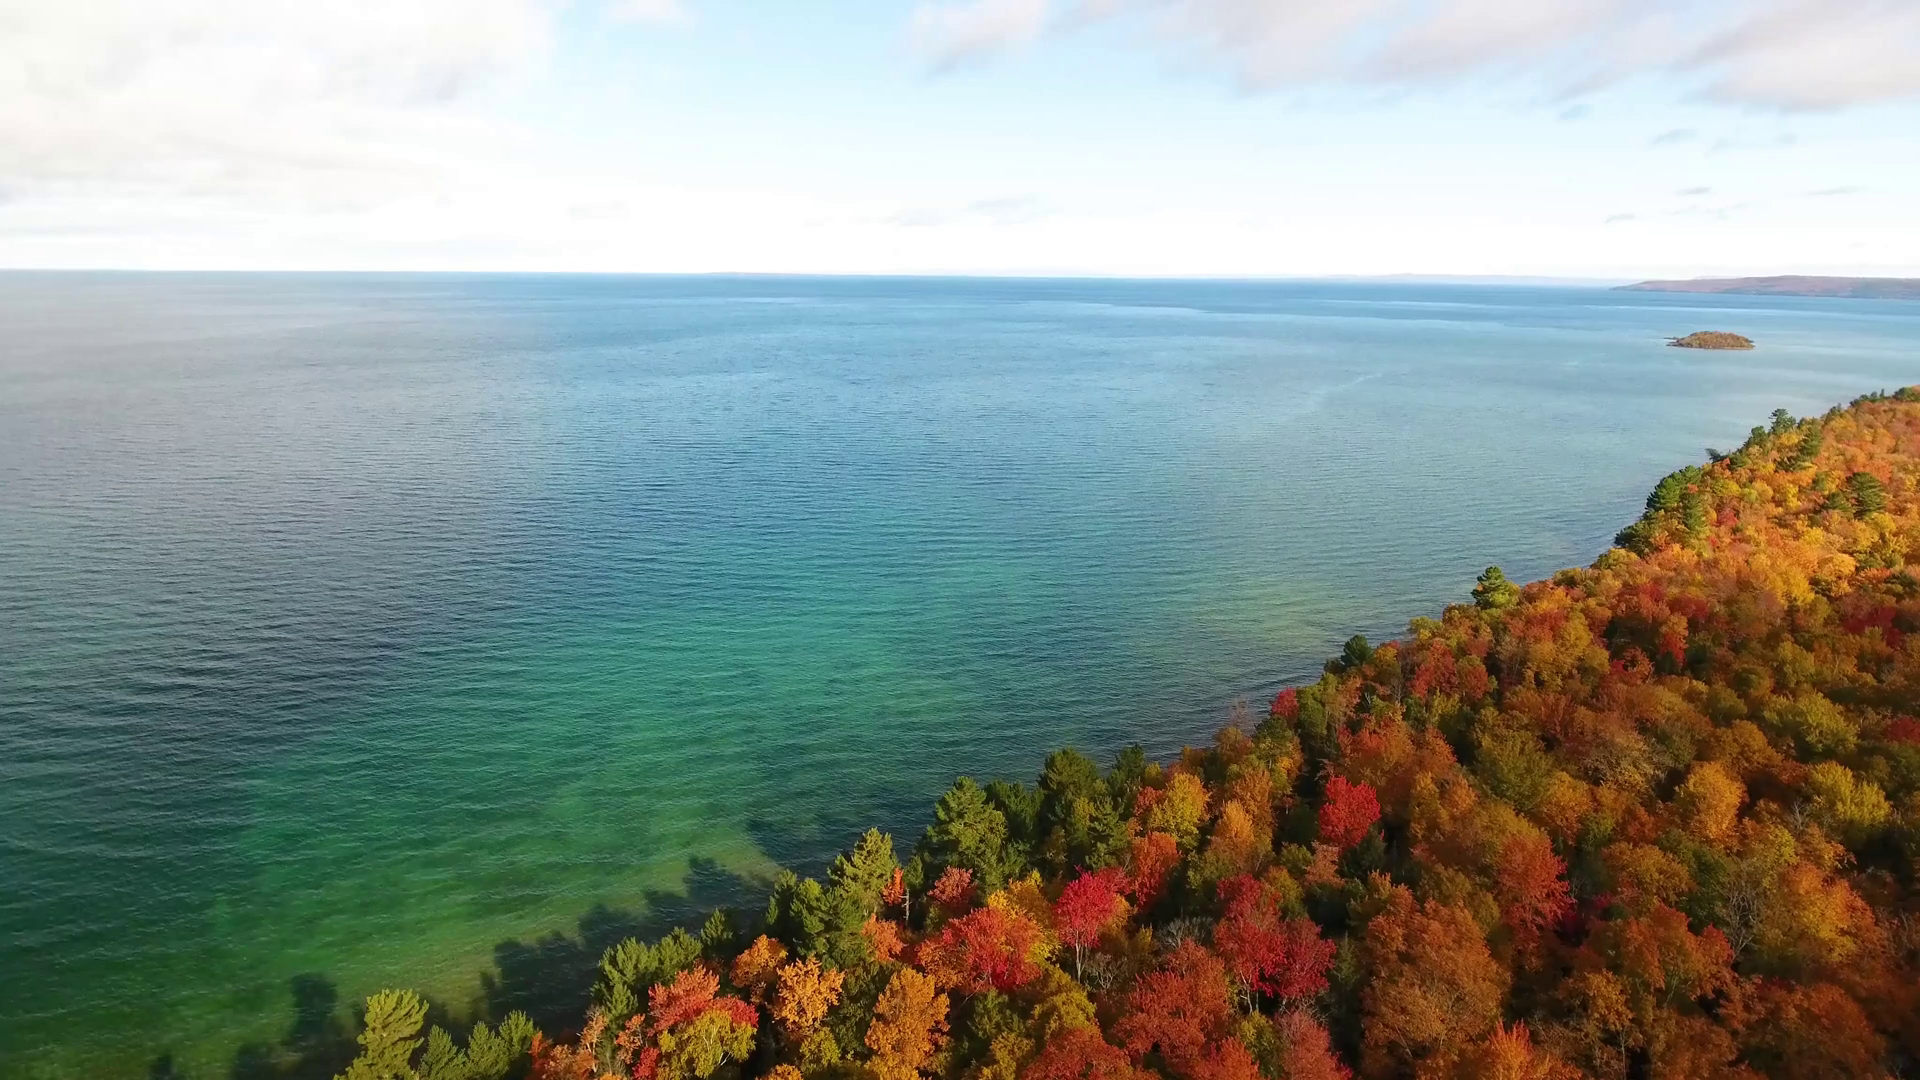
1792	285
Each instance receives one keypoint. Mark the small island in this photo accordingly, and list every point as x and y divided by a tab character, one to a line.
1711	339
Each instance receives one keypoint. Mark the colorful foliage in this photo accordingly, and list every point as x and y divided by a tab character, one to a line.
1658	816
1090	905
1348	811
806	992
909	1024
990	948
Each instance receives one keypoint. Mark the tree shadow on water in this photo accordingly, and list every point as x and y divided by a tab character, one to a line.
316	1047
551	979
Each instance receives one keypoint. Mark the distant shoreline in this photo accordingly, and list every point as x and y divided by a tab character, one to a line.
1859	288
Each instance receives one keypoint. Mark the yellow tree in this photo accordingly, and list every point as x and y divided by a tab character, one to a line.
806	993
1179	809
909	1024
756	969
1709	801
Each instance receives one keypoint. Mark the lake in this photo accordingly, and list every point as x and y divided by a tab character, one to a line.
438	630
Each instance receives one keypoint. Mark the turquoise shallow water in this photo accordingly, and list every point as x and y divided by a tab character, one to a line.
433	631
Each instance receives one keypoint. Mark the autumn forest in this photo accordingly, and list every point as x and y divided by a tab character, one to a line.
1656	817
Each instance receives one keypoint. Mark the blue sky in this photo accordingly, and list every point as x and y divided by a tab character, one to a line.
1582	138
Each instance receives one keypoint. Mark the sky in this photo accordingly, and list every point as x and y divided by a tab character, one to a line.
1607	139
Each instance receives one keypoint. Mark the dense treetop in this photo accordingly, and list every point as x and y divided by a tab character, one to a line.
1657	817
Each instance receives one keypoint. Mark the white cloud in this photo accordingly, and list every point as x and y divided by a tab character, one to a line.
951	34
388	133
268	99
1788	54
1463	36
1817	54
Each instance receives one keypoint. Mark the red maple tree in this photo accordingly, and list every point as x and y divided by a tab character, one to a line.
1348	812
1088	906
989	948
1286	958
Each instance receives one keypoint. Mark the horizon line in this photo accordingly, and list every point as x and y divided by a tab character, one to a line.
1569	280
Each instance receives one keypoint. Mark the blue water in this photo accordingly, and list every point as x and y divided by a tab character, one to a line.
369	630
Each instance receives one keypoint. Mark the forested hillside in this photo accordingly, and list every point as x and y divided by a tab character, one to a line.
1657	817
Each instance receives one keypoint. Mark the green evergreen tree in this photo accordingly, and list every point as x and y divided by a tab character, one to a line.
631	968
797	913
1493	592
719	937
493	1052
1020	805
1804	454
1078	818
1355	653
389	1034
443	1060
822	922
490	1053
865	871
1127	777
1666	495
1869	494
1693	512
971	833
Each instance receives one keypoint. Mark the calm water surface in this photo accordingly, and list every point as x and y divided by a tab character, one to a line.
432	631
